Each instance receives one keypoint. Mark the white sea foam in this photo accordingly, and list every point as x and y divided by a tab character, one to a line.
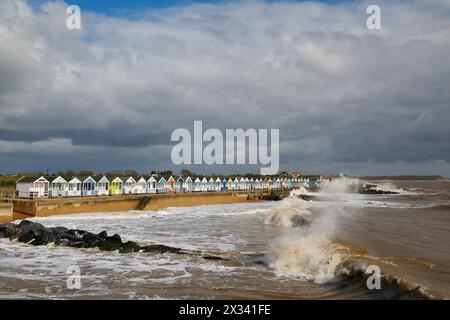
309	252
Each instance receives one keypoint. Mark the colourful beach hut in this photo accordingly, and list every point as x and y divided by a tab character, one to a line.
171	184
89	187
116	186
161	185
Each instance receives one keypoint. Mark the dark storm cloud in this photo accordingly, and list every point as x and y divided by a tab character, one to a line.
342	96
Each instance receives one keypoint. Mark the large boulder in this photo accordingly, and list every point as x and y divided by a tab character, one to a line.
91	240
111	243
9	230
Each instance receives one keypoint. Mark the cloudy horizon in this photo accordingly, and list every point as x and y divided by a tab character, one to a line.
345	99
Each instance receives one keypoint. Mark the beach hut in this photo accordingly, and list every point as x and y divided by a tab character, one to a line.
32	187
89	187
188	184
151	185
224	184
161	185
116	186
74	187
129	185
197	184
204	185
247	184
170	186
211	186
236	184
269	184
230	184
103	186
141	185
179	185
252	184
58	187
291	183
218	184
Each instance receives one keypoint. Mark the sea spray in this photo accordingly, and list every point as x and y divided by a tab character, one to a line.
309	252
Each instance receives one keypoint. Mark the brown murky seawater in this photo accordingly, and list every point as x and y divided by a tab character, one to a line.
292	249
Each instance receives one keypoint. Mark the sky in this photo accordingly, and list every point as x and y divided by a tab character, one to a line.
346	99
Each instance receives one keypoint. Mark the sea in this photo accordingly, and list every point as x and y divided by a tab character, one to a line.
336	245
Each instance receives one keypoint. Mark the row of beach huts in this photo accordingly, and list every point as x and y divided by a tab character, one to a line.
58	186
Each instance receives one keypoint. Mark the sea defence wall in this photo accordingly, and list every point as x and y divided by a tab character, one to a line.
6	211
149	202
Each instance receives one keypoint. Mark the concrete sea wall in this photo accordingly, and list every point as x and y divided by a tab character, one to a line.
6	212
61	206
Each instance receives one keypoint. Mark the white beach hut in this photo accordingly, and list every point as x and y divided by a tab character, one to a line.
218	184
151	185
236	184
74	189
129	185
32	187
188	184
242	184
197	184
247	184
58	187
205	183
141	186
211	184
103	186
251	184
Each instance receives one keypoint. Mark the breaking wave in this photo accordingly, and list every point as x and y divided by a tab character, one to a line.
311	252
308	252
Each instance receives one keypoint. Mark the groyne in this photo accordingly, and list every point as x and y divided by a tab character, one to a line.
148	202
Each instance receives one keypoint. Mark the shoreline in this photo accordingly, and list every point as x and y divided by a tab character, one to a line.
30	208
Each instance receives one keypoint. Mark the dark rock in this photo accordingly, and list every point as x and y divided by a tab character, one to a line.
111	243
371	189
208	257
103	234
158	248
58	230
300	221
129	247
9	230
26	237
76	232
77	244
26	225
307	197
91	240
